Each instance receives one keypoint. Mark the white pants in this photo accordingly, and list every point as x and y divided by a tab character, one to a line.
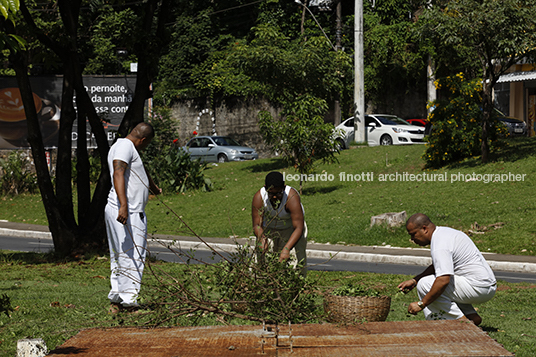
277	238
128	247
456	301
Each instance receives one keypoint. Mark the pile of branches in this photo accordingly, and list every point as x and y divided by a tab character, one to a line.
244	284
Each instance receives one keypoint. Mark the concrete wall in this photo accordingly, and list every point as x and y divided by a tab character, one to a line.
236	117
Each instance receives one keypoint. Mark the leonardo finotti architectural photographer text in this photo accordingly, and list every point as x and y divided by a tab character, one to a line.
407	177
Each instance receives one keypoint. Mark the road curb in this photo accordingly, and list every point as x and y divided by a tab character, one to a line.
518	267
327	254
23	233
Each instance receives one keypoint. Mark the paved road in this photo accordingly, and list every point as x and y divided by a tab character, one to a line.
41	243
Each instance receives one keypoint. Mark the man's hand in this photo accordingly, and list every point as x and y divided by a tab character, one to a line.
284	255
407	285
263	243
414	308
122	216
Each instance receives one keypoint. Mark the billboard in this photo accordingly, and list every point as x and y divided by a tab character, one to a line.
111	96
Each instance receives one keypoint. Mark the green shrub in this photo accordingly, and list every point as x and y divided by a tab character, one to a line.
94	167
15	174
176	171
457	123
172	169
5	305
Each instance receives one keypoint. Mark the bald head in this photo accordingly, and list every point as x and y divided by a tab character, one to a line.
141	135
420	228
143	130
418	220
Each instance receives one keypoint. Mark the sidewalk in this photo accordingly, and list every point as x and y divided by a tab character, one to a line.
369	254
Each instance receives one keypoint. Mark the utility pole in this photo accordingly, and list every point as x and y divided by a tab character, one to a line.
359	83
338	47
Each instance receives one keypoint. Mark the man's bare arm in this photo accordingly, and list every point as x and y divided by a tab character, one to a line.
296	215
256	217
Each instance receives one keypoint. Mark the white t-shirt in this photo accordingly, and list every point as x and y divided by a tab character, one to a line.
136	180
277	218
454	253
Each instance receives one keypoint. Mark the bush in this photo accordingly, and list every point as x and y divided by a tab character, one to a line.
171	168
16	175
94	167
176	171
457	123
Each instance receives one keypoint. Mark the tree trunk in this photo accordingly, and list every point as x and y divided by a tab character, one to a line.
487	114
69	235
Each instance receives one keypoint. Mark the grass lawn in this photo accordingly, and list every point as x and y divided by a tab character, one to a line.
339	211
53	300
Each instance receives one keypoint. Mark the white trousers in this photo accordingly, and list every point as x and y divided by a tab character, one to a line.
277	238
456	301
128	247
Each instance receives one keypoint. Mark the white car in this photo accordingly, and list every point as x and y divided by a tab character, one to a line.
381	129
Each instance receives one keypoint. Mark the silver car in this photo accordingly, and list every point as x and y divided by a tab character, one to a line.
218	149
515	126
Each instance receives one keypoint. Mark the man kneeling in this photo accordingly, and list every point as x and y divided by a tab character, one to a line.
458	277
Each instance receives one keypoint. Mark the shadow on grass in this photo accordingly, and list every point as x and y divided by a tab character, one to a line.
489	329
309	191
271	165
7	257
518	149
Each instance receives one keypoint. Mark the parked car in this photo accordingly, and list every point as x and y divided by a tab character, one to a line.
418	122
425	123
515	126
382	129
218	149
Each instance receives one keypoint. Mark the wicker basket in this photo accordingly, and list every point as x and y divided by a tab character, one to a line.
351	309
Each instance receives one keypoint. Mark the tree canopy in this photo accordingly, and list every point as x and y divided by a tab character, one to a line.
497	33
63	29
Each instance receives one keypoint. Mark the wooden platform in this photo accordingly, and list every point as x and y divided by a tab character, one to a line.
409	338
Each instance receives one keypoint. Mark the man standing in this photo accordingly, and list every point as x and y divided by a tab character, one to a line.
126	223
458	277
278	219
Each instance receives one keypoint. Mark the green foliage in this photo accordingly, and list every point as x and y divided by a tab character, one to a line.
177	172
171	168
111	33
5	305
9	7
238	287
94	167
476	29
15	174
394	54
457	123
269	290
453	23
301	137
354	290
275	66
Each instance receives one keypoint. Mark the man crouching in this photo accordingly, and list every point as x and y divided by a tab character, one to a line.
458	277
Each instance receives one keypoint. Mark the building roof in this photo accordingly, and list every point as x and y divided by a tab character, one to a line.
517	77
